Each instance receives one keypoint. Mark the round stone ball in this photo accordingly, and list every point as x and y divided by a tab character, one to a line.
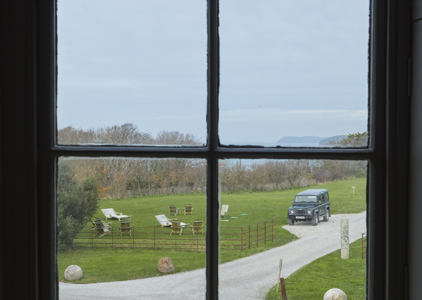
73	272
335	294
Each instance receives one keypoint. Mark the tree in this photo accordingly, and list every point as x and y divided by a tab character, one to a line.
123	134
296	171
78	200
176	138
70	135
354	140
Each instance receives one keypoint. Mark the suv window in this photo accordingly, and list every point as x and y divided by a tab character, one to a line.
305	199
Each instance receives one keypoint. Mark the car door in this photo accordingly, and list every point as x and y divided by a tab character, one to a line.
320	206
325	202
323	207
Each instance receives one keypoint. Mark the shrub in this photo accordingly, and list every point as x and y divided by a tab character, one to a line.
77	201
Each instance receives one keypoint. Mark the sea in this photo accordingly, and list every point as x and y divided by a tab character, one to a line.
272	144
249	162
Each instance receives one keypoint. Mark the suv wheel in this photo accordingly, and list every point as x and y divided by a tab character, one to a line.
326	216
315	219
291	222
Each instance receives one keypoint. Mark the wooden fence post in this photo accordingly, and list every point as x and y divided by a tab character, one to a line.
280	265
363	246
272	230
241	238
283	289
265	232
249	236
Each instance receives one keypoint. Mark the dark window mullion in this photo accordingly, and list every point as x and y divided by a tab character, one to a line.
212	143
203	152
131	151
375	264
296	153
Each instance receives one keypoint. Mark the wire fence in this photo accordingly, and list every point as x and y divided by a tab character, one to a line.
157	238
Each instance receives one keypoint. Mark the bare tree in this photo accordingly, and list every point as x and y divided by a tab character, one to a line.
123	134
176	138
71	136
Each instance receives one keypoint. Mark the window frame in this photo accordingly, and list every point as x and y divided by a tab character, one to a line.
387	172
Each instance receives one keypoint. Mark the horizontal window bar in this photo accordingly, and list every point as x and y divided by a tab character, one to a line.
295	153
202	152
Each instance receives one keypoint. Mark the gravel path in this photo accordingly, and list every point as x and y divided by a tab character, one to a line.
247	278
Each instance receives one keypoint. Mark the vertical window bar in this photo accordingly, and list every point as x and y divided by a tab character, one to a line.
376	196
213	74
212	163
46	208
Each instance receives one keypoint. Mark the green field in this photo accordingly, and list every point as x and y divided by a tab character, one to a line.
346	274
245	208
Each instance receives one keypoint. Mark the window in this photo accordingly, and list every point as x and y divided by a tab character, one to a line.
213	151
36	152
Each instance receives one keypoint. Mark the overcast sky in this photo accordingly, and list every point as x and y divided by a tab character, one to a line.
288	68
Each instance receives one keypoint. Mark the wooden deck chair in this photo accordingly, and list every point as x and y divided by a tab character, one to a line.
105	224
173	210
125	227
176	227
224	210
103	228
94	227
197	227
188	209
109	213
165	222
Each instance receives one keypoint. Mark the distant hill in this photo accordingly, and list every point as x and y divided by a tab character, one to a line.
300	139
332	140
322	141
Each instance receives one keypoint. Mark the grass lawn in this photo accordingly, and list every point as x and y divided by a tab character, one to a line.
315	279
245	208
105	265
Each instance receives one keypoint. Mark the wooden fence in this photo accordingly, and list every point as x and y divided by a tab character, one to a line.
240	238
157	238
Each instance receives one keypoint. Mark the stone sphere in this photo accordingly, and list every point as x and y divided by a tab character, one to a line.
73	272
335	294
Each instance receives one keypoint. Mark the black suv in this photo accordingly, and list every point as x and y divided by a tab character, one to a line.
309	205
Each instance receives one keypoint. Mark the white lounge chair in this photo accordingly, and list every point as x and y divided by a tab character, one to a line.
109	213
165	222
224	210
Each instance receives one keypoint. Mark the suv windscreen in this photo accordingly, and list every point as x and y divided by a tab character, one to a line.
306	199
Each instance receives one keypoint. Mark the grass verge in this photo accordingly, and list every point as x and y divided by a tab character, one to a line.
330	271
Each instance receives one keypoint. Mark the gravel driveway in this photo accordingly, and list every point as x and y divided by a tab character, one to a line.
246	278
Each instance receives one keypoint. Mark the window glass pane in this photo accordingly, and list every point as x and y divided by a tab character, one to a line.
291	210
129	222
294	73
141	65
